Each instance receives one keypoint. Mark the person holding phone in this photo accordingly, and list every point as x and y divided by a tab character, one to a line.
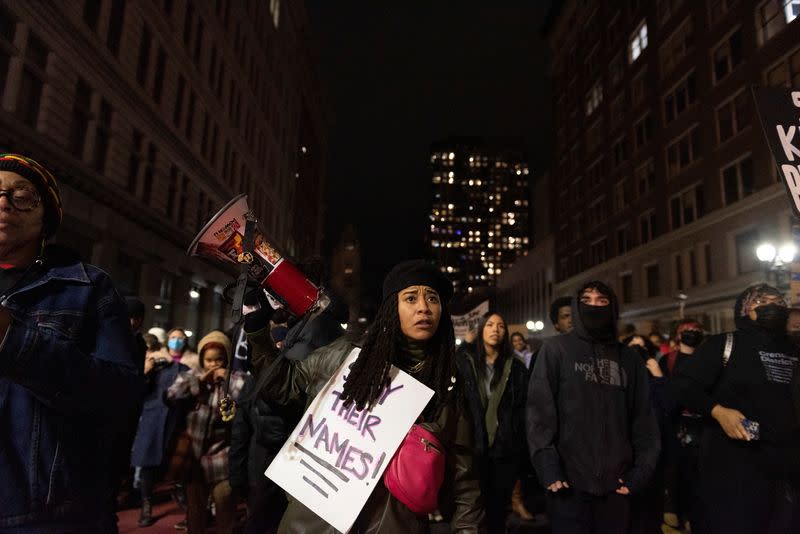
749	466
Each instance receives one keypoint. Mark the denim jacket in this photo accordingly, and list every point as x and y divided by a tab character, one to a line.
69	378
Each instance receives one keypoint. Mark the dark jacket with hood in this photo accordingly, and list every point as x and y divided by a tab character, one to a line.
589	415
757	382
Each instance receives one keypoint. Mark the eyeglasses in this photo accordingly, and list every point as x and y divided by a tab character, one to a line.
21	198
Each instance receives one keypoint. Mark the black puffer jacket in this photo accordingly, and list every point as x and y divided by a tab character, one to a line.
590	419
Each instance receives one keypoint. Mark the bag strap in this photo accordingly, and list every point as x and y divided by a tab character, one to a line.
726	354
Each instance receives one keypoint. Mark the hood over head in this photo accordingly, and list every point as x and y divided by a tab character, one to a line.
577	320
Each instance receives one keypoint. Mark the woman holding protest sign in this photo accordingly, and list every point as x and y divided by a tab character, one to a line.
501	381
413	332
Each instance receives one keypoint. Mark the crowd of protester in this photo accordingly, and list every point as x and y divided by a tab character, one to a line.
600	428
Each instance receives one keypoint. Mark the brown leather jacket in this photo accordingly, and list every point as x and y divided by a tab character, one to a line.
459	499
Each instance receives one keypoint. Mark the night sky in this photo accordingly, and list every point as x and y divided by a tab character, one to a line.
403	75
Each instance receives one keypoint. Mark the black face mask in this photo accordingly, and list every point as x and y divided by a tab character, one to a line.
692	338
772	318
598	321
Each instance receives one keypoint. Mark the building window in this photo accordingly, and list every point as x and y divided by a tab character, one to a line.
682	152
773	15
116	20
81	111
91	13
144	56
687	207
190	116
598	251
623	239
653	279
637	42
666	8
134	161
638	88
618	152
643	130
692	268
728	55
172	190
738	180
8	27
594	135
177	112
32	82
102	136
617	110
188	20
676	47
746	243
679	272
626	284
733	116
158	82
645	178
622	195
594	98
785	73
577	262
717	9
616	69
597	211
198	42
678	100
275	11
149	173
182	201
647	227
707	261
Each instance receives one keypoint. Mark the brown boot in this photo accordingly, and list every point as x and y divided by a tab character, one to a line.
517	505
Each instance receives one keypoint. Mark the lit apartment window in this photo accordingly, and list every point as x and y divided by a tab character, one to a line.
275	11
738	180
773	15
645	176
682	152
647	226
727	55
733	116
638	42
594	98
680	98
785	73
687	206
676	47
653	280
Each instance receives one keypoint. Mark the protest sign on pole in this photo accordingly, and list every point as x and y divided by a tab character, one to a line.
463	323
337	455
779	111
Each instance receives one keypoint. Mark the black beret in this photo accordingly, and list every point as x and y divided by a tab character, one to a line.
417	273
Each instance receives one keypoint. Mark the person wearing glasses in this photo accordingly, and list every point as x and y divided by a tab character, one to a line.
70	376
749	460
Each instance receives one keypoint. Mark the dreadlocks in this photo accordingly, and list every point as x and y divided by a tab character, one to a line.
369	374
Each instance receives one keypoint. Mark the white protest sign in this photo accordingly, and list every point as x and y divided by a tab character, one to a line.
337	455
463	323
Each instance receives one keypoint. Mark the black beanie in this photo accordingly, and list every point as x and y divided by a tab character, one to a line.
417	273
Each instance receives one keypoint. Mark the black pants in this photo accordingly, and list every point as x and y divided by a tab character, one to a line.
147	481
500	476
576	512
266	504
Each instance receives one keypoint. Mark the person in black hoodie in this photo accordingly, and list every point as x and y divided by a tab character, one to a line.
749	466
592	434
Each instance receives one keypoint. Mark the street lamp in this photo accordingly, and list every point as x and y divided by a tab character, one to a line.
776	260
535	326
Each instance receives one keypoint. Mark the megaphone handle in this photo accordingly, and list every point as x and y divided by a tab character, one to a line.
244	267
